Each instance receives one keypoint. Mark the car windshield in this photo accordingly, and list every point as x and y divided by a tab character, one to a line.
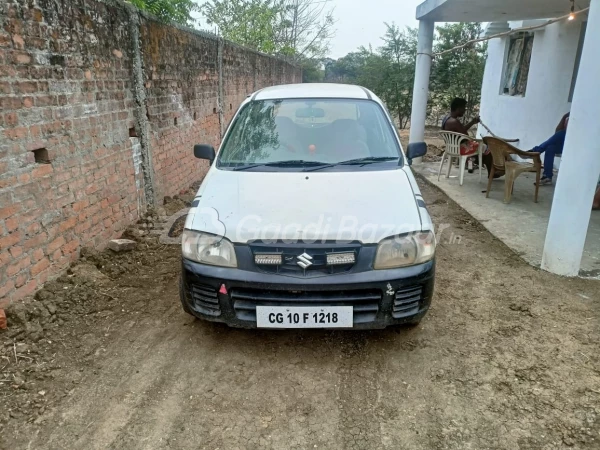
307	132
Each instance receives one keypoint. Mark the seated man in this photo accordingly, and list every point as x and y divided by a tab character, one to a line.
552	147
452	123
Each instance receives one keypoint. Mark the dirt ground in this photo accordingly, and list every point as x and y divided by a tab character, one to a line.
435	144
507	358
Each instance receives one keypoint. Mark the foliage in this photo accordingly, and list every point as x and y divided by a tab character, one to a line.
312	71
306	28
460	72
399	51
252	23
296	29
389	71
170	10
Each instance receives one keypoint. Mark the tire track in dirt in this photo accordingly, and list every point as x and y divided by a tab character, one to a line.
358	393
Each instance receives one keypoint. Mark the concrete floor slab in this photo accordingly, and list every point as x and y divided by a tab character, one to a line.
520	224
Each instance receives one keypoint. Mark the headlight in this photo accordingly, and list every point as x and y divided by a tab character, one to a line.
208	249
405	250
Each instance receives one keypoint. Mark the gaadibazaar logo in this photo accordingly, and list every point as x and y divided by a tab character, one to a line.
326	229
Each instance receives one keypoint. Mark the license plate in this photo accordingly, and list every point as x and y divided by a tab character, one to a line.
304	317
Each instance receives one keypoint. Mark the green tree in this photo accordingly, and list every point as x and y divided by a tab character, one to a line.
305	28
299	30
458	73
251	23
170	10
390	70
399	52
312	70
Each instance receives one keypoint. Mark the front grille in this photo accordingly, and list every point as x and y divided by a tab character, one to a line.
407	301
365	303
206	299
318	253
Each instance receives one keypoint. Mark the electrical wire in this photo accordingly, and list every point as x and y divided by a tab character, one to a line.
511	32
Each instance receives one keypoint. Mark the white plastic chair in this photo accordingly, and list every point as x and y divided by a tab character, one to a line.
453	142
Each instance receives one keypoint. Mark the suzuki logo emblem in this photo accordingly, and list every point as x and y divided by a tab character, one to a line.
304	260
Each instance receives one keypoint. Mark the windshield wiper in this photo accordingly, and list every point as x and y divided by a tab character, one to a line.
358	161
367	160
291	163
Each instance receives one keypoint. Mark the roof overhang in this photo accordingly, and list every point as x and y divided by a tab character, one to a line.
494	10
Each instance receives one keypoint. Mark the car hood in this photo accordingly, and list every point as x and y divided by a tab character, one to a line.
364	206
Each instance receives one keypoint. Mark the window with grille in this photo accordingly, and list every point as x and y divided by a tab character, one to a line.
516	71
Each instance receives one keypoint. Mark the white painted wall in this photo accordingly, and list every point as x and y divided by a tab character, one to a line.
532	118
571	208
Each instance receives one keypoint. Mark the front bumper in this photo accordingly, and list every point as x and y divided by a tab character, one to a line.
379	297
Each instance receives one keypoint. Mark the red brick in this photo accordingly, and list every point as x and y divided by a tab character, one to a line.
25	290
42	277
6	287
11	119
91	189
78	206
9	240
70	247
16	251
21	279
67	224
80	228
45	100
5	257
56	255
26	87
36	241
6	182
22	58
17	133
11	224
17	266
5	87
39	267
55	244
24	178
33	228
8	103
42	170
37	255
18	41
9	210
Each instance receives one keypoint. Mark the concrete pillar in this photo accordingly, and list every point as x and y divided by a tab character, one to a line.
421	88
580	165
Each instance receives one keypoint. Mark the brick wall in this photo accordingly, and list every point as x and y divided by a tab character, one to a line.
100	107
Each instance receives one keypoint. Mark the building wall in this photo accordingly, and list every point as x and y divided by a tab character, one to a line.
532	118
116	100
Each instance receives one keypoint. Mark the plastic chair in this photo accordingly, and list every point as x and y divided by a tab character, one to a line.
503	162
453	143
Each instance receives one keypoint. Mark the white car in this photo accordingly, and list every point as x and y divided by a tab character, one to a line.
309	217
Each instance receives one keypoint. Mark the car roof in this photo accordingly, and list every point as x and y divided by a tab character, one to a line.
313	90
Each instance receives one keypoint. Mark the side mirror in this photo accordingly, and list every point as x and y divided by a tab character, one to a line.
416	150
203	151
